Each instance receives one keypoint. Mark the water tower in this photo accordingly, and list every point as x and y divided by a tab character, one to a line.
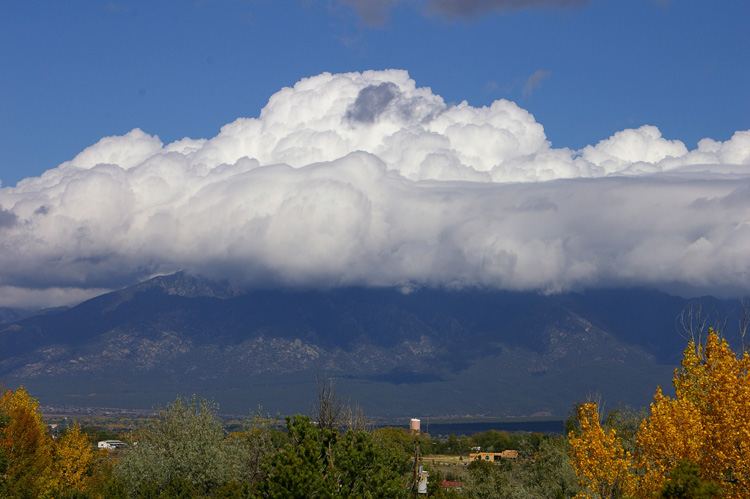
414	426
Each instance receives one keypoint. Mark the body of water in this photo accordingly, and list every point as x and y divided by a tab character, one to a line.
467	429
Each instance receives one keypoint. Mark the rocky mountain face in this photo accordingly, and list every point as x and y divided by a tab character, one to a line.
429	352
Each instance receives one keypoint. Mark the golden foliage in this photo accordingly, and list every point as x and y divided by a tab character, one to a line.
602	465
38	466
26	445
74	460
707	423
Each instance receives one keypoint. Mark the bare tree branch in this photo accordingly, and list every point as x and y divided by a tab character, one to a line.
744	322
357	420
330	410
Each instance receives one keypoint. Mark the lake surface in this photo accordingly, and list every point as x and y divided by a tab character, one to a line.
467	429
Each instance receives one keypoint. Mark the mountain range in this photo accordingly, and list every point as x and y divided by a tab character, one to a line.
441	353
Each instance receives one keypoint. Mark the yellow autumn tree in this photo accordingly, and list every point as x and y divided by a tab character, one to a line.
707	423
74	460
27	447
602	465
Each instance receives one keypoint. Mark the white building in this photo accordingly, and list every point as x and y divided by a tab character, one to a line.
112	444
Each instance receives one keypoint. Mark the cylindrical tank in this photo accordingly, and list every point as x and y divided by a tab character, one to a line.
414	425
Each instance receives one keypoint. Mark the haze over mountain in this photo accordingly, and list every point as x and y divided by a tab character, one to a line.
429	352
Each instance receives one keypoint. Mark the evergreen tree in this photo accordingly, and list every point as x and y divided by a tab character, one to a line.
685	483
321	462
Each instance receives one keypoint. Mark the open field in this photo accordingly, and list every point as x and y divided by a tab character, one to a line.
452	467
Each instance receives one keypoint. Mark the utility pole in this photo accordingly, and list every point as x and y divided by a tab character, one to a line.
415	485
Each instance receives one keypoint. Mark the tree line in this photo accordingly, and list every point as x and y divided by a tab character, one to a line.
184	451
693	445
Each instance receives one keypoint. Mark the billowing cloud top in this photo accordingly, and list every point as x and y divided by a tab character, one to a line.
366	179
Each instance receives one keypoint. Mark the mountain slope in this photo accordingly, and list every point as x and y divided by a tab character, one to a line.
428	352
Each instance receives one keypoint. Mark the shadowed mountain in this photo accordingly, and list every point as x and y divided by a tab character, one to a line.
433	352
10	314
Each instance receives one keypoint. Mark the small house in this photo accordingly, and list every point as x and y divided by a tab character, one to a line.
112	444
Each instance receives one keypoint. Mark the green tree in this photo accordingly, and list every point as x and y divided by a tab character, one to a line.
260	439
495	441
549	474
183	447
487	480
320	462
300	469
453	445
366	469
435	490
402	439
685	483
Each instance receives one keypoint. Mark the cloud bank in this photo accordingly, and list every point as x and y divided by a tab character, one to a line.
367	179
375	12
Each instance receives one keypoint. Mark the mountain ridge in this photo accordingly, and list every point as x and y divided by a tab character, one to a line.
481	352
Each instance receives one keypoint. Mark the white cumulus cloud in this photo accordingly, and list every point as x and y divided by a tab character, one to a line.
367	179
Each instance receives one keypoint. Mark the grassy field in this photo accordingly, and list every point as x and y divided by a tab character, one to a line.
452	467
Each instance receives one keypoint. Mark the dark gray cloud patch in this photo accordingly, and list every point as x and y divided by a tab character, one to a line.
375	12
371	102
537	204
7	218
471	8
371	12
534	81
738	199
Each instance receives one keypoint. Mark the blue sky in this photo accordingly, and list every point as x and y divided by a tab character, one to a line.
74	72
535	145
